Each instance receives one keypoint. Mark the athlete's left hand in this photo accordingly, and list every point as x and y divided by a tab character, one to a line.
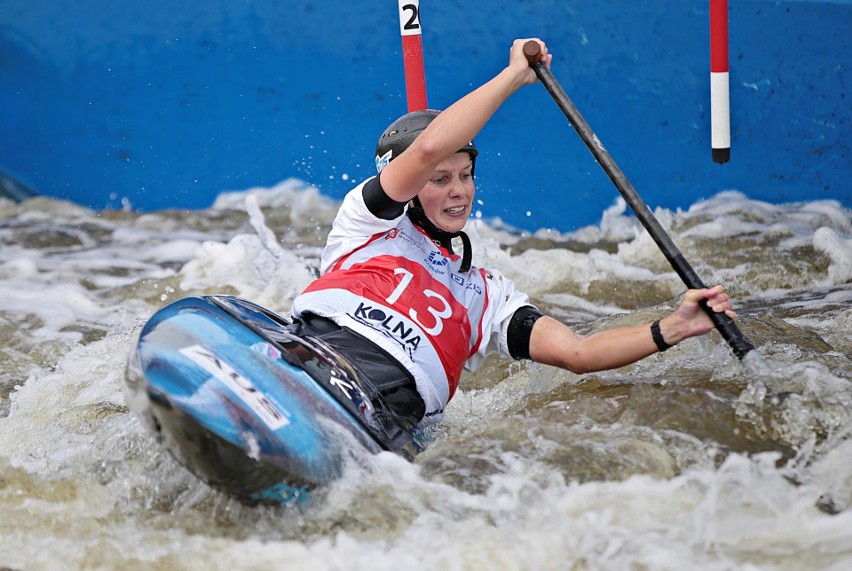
690	320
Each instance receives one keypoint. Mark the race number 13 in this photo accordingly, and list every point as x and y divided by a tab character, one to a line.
409	18
439	312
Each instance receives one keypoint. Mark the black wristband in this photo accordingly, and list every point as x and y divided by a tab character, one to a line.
657	336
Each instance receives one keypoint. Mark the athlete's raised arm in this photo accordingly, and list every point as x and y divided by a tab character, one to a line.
406	175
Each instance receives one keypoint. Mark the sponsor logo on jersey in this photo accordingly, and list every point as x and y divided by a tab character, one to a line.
389	325
437	262
432	413
436	259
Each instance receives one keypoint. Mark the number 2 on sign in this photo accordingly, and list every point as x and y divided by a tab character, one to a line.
409	18
439	314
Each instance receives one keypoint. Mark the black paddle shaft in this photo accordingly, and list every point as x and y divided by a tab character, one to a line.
724	324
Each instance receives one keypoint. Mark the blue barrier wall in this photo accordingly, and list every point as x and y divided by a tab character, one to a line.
166	104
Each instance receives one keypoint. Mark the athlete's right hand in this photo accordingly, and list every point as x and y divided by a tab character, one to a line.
518	60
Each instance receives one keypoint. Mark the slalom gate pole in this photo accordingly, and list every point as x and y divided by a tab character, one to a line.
724	324
720	98
412	54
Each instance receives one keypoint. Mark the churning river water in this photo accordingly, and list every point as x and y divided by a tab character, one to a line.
687	460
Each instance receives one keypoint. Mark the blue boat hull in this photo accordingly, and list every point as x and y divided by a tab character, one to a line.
256	412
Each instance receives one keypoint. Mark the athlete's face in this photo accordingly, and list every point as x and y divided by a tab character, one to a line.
448	196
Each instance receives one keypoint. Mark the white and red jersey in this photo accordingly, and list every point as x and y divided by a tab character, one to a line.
389	282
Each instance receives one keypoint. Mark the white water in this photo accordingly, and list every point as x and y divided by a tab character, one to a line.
686	460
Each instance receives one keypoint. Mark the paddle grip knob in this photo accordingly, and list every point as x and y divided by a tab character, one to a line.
533	52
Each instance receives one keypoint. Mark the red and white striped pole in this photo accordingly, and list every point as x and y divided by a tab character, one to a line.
412	54
720	103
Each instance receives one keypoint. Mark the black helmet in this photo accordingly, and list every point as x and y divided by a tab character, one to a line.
401	133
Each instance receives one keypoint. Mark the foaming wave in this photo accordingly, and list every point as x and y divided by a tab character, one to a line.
303	202
839	249
253	266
